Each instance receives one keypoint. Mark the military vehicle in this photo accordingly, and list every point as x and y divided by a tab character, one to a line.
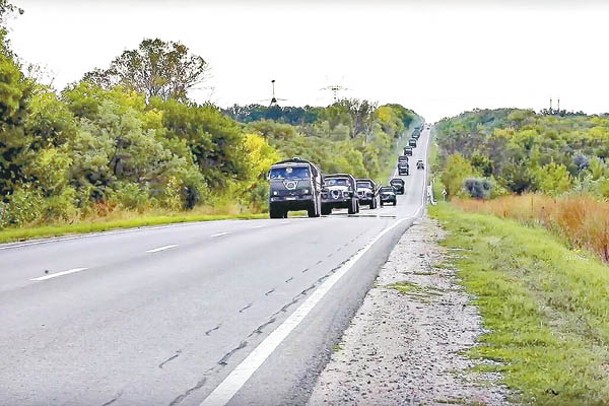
295	184
408	150
367	192
398	185
339	192
403	169
388	195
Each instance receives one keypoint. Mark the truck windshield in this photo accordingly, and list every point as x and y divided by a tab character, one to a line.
336	182
364	185
290	172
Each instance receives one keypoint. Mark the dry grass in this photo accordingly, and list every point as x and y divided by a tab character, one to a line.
581	220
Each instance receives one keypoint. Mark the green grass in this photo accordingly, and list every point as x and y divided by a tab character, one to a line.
547	308
23	234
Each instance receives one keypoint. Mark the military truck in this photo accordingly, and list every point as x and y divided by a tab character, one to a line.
403	169
295	184
367	192
412	142
408	150
339	192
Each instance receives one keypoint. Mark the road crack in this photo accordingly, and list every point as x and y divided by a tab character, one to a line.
174	356
224	360
245	307
208	332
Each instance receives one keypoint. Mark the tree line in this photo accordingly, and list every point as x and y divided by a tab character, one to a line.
485	153
127	137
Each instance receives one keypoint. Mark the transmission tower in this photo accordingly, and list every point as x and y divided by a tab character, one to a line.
334	89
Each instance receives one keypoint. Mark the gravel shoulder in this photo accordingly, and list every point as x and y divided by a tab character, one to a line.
405	346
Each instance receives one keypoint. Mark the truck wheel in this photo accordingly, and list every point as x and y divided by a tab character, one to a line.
352	209
276	213
315	210
396	202
373	204
357	205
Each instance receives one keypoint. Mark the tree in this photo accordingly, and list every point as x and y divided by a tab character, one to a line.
156	68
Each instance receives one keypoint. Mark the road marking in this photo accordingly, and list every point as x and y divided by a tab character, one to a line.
257	226
54	275
241	374
166	247
219	234
284	222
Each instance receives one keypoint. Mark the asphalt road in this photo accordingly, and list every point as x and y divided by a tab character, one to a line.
225	312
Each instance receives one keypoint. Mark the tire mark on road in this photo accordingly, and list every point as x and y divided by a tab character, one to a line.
269	292
289	280
108	403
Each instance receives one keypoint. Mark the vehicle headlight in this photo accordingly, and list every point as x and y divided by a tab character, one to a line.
274	193
306	191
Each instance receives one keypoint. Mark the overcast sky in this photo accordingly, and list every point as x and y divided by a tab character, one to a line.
437	57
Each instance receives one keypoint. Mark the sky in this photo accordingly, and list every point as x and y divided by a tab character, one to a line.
439	58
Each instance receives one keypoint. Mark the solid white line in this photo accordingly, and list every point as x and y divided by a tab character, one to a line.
257	226
54	275
166	247
219	234
239	376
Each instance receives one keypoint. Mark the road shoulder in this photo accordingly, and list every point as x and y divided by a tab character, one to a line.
406	342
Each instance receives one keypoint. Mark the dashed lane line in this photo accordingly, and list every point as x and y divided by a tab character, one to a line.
164	248
219	234
55	275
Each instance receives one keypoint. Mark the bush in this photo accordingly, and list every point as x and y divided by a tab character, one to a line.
62	206
478	188
24	206
129	195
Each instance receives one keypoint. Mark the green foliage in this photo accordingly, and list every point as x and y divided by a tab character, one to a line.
156	69
528	152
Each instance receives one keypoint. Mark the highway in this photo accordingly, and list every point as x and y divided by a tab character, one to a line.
212	313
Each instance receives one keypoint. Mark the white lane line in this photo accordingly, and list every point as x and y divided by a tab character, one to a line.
239	376
54	275
219	234
166	247
257	227
284	222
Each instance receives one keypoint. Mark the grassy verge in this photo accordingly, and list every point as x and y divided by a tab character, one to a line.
545	307
22	234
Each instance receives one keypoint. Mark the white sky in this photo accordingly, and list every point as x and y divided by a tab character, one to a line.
439	58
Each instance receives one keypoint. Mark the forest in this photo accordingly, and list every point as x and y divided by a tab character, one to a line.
126	137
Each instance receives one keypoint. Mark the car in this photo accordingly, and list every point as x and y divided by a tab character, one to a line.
339	192
295	184
388	195
408	150
367	192
398	185
420	164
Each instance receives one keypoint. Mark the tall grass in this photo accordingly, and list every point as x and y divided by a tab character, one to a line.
581	220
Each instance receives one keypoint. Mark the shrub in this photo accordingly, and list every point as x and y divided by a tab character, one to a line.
478	188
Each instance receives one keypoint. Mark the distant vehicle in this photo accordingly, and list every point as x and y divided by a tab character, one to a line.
398	185
412	142
388	195
295	184
367	192
339	192
402	158
403	169
408	151
420	164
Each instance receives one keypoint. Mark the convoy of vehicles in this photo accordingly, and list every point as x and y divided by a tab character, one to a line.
297	184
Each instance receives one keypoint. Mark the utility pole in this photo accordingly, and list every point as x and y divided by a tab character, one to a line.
334	89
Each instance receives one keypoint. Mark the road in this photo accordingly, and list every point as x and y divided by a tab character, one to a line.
225	312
